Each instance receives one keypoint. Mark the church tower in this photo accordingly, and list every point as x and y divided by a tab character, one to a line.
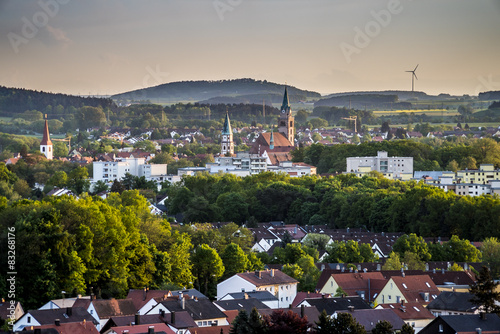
227	145
286	122
46	144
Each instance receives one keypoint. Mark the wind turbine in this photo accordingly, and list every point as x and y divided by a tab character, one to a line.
413	75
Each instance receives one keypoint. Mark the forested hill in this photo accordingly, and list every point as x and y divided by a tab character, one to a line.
203	90
17	100
401	94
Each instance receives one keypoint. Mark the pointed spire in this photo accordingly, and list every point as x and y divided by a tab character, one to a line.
271	141
46	135
226	130
286	103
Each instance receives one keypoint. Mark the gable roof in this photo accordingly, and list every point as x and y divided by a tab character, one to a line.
369	318
332	305
267	277
409	311
263	143
262	295
469	322
107	308
199	309
182	320
453	301
139	329
71	328
238	304
412	287
351	283
46	317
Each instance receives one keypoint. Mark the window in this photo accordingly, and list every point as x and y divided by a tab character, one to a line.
440	328
428	285
389	297
286	298
205	323
200	323
29	320
281	298
404	286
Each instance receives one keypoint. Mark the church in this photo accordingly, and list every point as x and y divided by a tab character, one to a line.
274	146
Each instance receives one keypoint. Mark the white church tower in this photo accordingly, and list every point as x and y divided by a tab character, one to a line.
227	145
46	144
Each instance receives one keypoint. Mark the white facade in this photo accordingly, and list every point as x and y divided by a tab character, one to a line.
382	163
26	320
109	171
48	151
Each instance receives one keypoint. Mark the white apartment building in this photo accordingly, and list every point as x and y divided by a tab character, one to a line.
391	167
109	171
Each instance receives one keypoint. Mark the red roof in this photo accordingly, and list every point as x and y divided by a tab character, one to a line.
263	143
46	135
72	328
409	311
267	277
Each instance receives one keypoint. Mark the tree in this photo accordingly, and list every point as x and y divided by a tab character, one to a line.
412	261
100	186
407	329
316	240
233	207
207	266
414	244
484	292
452	166
240	323
345	323
58	179
461	250
234	260
383	327
468	163
465	111
180	262
78	180
281	321
491	255
393	262
256	323
301	116
146	146
324	324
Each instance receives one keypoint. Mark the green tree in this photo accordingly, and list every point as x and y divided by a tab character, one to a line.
234	260
324	324
207	266
240	323
383	327
233	207
345	323
316	240
412	243
484	292
78	180
58	179
491	254
468	163
146	146
180	262
301	116
407	329
256	323
393	262
452	166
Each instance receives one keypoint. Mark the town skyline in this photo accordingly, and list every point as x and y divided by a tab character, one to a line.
105	48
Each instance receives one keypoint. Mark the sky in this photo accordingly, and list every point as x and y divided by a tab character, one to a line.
103	47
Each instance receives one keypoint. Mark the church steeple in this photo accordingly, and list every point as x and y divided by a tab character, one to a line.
227	145
271	141
286	121
285	106
46	143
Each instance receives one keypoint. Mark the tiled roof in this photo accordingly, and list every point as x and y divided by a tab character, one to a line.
46	317
107	308
470	322
332	305
238	304
140	329
409	311
260	295
71	328
281	143
267	277
369	318
412	287
453	301
199	309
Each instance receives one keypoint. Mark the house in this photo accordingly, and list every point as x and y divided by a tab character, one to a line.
414	314
266	297
264	239
275	281
103	309
301	296
370	317
141	329
366	285
410	288
203	311
179	322
332	305
452	303
464	323
54	316
145	299
246	304
10	310
295	231
69	328
61	303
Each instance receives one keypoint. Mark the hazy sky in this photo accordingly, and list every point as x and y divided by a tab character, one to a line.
111	46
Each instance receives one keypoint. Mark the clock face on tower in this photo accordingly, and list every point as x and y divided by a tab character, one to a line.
283	111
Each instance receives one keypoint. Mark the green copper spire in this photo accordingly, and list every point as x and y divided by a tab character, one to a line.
271	141
226	130
286	103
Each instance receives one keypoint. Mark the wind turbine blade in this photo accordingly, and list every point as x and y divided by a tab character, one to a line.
415	75
416	67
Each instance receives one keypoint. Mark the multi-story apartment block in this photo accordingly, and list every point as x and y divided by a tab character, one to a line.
391	167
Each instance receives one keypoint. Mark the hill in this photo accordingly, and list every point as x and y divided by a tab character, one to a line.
222	91
17	100
363	101
401	94
491	95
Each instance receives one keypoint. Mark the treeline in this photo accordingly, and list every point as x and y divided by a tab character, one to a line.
428	154
18	100
364	101
374	202
105	247
335	115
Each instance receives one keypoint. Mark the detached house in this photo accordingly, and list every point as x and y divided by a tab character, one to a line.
54	316
414	288
365	285
276	282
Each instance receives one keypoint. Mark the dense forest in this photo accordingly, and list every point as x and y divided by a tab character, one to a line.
373	202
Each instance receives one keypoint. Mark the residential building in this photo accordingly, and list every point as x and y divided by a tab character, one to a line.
452	303
333	305
414	314
391	167
275	281
266	297
365	285
464	323
408	288
369	318
54	316
109	171
485	173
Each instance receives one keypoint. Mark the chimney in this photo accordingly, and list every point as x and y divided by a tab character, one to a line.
272	272
258	274
426	266
183	302
442	271
482	315
137	319
434	270
350	308
478	330
365	270
57	322
379	267
245	295
69	311
172	317
302	311
151	330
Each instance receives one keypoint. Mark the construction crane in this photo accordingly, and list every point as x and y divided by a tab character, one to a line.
352	118
68	139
